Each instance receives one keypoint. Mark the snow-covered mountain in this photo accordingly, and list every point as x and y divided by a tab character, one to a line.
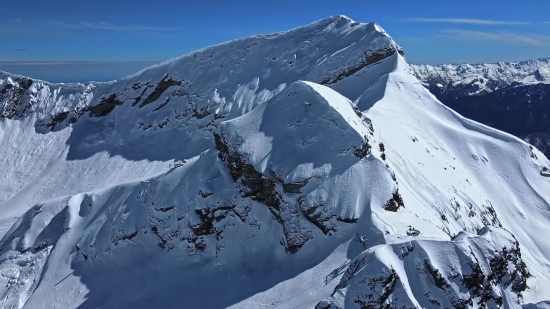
512	97
301	169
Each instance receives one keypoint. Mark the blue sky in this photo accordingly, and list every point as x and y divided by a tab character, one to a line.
137	33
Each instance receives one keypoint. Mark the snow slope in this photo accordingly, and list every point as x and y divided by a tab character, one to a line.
512	97
302	169
456	175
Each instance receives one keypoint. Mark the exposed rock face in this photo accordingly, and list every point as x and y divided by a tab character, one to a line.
370	57
12	94
394	203
481	283
161	87
105	106
255	184
57	119
289	197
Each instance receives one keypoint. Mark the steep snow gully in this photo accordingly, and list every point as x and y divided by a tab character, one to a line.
302	169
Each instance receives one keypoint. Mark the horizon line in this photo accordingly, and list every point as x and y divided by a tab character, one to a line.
70	61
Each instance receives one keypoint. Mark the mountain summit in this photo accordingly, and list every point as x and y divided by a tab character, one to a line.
307	168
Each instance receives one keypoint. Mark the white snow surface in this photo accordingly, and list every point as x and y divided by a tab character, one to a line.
118	195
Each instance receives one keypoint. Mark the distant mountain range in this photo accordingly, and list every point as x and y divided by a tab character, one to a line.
511	96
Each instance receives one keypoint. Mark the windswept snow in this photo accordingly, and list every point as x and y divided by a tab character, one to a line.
302	169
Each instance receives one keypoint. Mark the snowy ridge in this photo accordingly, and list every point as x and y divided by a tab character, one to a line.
296	151
188	95
487	77
307	169
412	274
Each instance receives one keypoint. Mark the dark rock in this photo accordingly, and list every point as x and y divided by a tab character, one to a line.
15	96
39	247
126	236
401	52
262	189
347	220
380	290
258	186
163	104
369	58
165	209
439	280
56	119
413	232
207	217
364	150
159	90
318	219
294	187
205	194
395	202
105	106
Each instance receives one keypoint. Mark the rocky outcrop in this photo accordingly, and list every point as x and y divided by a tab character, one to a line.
162	86
364	150
263	189
394	203
482	282
12	94
104	107
57	119
380	289
369	57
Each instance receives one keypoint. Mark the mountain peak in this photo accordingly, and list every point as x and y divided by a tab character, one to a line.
306	160
330	50
332	27
283	136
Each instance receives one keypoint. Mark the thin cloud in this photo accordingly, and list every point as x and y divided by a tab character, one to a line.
96	26
471	21
81	63
106	26
36	63
502	37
